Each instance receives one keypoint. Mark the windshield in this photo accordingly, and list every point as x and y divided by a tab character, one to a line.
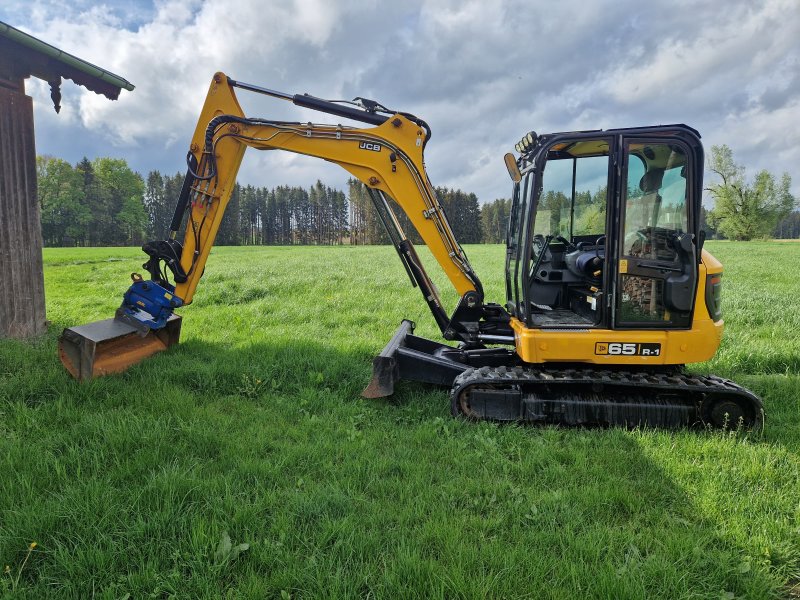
572	202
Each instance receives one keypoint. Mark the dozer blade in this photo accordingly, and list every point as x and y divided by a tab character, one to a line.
415	358
385	368
110	346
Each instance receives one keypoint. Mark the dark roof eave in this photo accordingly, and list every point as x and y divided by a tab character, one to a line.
81	72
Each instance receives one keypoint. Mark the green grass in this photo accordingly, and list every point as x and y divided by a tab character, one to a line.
254	426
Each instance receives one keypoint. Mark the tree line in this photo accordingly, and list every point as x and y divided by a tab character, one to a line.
105	203
94	203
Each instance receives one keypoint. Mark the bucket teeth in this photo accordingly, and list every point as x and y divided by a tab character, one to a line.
111	346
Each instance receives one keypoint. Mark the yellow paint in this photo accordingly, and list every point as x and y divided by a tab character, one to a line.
591	346
407	183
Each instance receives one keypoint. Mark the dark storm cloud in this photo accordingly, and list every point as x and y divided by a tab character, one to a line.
481	73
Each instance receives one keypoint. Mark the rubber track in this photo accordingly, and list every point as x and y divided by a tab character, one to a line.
618	381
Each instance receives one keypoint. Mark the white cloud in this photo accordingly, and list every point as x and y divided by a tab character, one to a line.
482	73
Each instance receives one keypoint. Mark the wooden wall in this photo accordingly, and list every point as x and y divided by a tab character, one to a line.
22	312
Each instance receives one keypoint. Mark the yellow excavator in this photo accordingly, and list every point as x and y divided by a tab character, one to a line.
609	292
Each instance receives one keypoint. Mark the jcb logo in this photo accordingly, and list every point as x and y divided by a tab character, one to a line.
370	146
627	349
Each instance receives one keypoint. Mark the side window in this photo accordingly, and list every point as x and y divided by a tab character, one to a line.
515	254
655	205
512	227
591	190
553	212
655	213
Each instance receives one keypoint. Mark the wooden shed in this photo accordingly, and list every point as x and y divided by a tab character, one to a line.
22	310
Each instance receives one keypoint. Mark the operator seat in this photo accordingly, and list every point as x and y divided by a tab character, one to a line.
651	181
590	264
647	207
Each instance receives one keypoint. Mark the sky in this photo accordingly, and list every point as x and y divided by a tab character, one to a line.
481	73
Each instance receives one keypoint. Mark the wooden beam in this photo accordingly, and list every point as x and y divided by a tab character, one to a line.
22	309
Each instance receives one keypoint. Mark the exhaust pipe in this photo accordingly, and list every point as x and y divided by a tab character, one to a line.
110	346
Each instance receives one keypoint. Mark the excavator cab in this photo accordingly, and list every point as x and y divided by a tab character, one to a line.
604	230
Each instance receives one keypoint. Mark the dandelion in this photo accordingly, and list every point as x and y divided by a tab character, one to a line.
7	570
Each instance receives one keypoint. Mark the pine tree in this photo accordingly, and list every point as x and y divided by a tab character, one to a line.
159	208
494	221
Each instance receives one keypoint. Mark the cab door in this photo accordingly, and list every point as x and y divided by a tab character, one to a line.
656	275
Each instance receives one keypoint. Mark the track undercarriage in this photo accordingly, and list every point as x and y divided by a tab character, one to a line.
493	384
601	397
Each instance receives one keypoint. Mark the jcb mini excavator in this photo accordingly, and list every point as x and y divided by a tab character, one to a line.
608	294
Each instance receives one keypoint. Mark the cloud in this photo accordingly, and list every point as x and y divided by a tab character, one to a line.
482	73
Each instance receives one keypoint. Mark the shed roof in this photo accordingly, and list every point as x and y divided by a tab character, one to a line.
34	57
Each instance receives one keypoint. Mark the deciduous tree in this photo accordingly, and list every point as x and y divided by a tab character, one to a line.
746	210
65	216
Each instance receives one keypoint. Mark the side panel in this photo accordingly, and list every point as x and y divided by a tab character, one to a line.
631	347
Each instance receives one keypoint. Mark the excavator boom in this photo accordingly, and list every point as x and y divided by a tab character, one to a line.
387	157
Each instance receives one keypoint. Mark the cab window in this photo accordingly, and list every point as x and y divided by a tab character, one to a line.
656	196
572	202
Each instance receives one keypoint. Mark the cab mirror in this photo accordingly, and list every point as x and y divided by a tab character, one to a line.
513	169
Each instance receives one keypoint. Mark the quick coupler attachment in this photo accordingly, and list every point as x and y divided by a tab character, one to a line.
147	305
143	325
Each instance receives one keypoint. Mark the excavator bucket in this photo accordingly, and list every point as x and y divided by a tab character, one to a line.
111	346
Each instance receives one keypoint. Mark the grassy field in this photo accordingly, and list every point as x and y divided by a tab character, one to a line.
243	463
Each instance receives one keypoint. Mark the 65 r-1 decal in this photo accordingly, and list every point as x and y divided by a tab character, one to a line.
627	349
